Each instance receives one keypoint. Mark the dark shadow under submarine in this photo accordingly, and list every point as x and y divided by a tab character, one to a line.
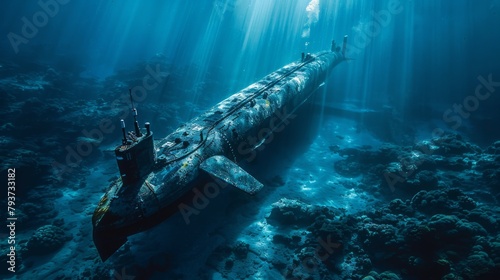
158	180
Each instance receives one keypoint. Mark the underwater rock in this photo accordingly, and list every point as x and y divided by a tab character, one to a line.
37	212
487	217
493	251
454	230
288	212
399	237
443	223
335	230
393	168
419	235
454	163
46	240
388	152
229	264
433	246
383	215
427	268
478	265
374	165
427	179
282	239
39	205
492	176
334	148
33	105
451	144
489	166
424	180
240	249
494	149
307	256
397	206
388	275
7	128
442	201
372	275
435	242
32	168
353	266
375	237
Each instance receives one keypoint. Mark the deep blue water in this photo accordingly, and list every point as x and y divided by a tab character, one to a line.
426	52
413	67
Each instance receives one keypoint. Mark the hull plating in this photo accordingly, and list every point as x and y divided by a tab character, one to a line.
233	128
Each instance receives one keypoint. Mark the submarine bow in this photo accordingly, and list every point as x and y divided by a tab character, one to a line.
156	178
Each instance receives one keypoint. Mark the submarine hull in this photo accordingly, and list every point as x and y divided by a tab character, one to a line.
209	147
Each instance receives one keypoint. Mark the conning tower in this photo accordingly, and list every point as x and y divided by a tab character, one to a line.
136	155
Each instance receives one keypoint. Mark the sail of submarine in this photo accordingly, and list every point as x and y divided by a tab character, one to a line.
156	179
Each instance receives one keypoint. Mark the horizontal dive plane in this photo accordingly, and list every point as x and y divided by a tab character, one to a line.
156	177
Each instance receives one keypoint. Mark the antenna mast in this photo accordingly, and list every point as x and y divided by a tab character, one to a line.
134	110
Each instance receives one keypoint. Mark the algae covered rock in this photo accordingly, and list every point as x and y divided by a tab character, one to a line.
398	206
293	212
478	265
442	201
241	249
454	144
47	239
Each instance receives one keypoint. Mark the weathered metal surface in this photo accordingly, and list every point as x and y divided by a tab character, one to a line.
224	130
222	168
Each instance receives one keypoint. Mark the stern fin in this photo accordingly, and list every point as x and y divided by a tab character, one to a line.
226	170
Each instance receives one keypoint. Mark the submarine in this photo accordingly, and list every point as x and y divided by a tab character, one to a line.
158	178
